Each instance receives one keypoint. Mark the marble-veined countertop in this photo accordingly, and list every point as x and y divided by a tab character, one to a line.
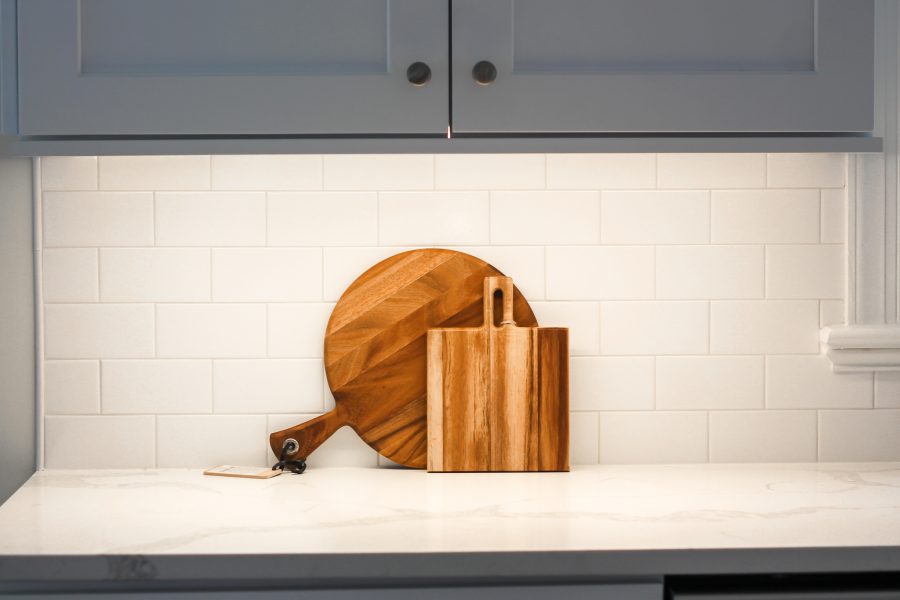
762	518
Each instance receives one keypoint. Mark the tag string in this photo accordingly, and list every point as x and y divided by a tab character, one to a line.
294	466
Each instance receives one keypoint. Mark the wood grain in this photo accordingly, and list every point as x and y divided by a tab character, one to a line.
498	394
375	349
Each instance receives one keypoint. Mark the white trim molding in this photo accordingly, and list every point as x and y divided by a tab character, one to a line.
870	340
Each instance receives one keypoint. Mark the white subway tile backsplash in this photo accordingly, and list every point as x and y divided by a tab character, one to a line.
764	327
765	217
489	171
709	382
654	328
379	172
154	172
70	275
202	441
762	436
581	318
611	383
71	387
210	218
806	271
807	170
833	216
154	274
887	390
262	172
700	171
211	330
808	382
831	312
433	218
715	272
323	218
99	442
297	330
266	274
584	439
69	173
157	386
98	331
859	435
545	217
601	171
525	264
267	386
653	437
654	217
97	219
600	272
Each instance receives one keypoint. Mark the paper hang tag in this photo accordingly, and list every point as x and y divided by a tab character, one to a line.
246	472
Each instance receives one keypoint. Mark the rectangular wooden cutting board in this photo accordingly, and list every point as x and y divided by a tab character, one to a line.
498	394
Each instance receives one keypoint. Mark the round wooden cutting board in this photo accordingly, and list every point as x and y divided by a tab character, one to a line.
375	357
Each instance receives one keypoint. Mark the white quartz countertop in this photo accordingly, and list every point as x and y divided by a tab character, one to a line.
329	511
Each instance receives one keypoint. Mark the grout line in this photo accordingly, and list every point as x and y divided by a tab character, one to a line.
39	350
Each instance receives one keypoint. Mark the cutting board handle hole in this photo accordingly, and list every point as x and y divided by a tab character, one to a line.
498	308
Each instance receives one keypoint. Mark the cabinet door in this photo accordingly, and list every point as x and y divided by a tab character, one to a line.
579	66
207	67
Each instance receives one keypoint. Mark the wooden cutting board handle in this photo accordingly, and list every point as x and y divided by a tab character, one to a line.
309	435
492	285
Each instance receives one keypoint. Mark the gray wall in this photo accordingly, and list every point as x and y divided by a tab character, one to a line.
17	374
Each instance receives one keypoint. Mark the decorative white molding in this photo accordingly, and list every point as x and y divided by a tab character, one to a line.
870	340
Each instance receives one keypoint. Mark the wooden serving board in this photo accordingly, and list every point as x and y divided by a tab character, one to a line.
375	349
498	395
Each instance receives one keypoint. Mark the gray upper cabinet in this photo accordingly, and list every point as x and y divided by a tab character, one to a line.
231	67
581	66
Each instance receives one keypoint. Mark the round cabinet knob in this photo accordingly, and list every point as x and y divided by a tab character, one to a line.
418	74
484	72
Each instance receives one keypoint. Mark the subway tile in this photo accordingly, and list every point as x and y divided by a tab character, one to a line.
715	272
859	435
433	218
765	217
266	274
831	312
654	217
298	330
211	219
323	218
600	272
98	330
70	275
805	271
154	172
154	274
762	436
68	173
581	318
157	386
525	264
211	330
99	442
764	327
833	227
717	170
584	439
266	172
545	217
887	389
489	171
379	172
202	441
343	449
653	437
344	265
653	328
710	382
808	382
611	383
601	171
98	219
807	170
267	386
71	387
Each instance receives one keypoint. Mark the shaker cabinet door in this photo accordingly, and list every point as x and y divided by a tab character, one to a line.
579	66
215	67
